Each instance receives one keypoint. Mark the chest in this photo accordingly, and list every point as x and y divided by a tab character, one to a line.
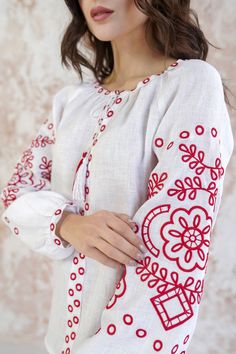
113	150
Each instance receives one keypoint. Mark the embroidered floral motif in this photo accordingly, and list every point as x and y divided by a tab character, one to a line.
186	237
195	159
27	158
25	175
46	167
21	176
155	183
192	186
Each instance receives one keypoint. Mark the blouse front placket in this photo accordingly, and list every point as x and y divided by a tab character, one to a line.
103	114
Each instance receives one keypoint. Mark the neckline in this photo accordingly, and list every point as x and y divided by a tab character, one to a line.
102	90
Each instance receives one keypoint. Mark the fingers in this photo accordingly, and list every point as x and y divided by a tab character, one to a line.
126	250
114	253
103	258
123	229
126	218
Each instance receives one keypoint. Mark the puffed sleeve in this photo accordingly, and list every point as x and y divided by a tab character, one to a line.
31	208
155	306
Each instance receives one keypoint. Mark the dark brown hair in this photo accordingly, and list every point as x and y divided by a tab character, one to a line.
172	28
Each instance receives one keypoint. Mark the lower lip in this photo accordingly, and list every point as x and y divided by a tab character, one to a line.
102	16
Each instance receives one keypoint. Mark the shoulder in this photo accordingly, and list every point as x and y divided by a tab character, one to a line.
199	71
192	79
64	95
60	99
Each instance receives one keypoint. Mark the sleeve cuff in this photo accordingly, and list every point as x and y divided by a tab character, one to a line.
55	246
32	218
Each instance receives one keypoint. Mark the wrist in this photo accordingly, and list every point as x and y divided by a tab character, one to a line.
61	227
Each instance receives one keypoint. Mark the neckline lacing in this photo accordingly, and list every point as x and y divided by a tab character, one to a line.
100	89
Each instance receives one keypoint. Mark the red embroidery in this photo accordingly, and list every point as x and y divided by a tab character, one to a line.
199	129
184	134
73	299
16	230
196	161
157	345
81	270
24	175
72	276
170	145
57	241
177	346
9	195
193	185
120	290
78	286
183	239
146	225
71	292
174	349
141	333
159	142
155	183
42	141
58	212
214	132
128	319
50	126
72	335
75	319
111	329
27	158
172	307
21	176
46	166
163	280
78	166
186	237
186	339
75	260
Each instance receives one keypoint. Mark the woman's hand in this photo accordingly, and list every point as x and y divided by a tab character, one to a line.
105	236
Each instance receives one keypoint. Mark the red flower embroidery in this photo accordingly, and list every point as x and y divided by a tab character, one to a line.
186	237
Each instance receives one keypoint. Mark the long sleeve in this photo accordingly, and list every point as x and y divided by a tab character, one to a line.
155	305
31	208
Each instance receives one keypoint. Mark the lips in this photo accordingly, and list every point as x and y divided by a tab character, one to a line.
99	10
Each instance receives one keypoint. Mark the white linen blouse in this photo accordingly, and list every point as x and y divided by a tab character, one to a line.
158	153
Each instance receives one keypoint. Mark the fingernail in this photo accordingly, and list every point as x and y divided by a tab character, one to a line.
132	262
142	248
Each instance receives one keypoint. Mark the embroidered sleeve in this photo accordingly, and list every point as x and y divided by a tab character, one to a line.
32	209
155	306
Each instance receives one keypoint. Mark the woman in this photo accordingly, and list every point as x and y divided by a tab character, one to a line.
149	139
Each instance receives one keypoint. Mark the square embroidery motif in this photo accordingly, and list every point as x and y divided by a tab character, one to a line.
172	307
